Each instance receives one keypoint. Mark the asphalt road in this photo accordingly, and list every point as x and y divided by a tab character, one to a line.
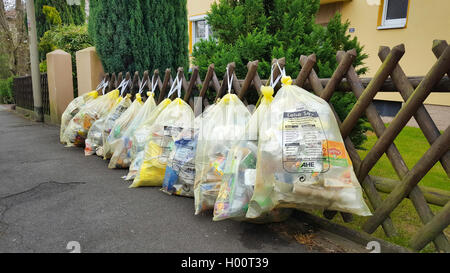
51	195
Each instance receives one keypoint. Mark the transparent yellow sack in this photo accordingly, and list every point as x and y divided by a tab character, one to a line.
302	161
237	183
94	140
78	127
111	119
121	148
174	118
225	124
140	138
180	169
72	109
121	125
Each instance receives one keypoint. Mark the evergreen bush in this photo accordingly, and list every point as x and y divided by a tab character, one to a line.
260	30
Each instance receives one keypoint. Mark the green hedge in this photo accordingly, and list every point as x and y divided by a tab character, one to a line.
70	38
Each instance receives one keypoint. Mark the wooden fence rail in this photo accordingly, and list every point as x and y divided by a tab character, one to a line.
389	76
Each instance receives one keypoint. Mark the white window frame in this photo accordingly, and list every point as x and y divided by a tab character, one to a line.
193	19
392	23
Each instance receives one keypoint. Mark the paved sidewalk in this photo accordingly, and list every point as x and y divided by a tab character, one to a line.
50	195
439	114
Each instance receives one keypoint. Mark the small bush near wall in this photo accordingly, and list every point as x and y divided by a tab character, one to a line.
6	90
70	38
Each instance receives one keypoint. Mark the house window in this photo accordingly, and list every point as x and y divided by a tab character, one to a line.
200	29
394	14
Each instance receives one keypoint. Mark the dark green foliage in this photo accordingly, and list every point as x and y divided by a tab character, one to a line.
140	35
343	104
6	90
70	38
264	29
69	14
4	66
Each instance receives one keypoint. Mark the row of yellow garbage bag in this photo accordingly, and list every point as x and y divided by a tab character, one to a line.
287	154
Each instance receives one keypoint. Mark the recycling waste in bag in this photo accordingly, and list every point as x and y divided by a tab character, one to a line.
72	109
172	120
239	177
289	154
302	161
78	127
180	169
95	138
141	137
121	147
225	124
121	125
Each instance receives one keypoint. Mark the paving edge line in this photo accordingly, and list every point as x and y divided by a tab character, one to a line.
353	235
27	114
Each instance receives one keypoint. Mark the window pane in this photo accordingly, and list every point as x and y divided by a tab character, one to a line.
396	9
200	30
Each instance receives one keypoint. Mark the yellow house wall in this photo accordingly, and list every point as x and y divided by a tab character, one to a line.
197	7
194	8
427	20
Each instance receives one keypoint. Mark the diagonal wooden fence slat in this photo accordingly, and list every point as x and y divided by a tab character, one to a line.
406	112
438	49
431	229
413	177
422	116
372	89
400	167
367	184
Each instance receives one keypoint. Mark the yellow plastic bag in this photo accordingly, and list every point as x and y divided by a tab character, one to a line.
78	127
238	180
180	169
176	116
94	140
120	126
302	161
140	138
72	109
225	124
121	148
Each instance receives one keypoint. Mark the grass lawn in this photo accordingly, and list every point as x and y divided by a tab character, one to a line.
412	145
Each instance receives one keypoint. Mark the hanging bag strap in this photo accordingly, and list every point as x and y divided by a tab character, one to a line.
176	87
142	86
123	85
154	84
102	85
229	81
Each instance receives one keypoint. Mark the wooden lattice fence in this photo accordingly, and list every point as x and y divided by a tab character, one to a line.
414	91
